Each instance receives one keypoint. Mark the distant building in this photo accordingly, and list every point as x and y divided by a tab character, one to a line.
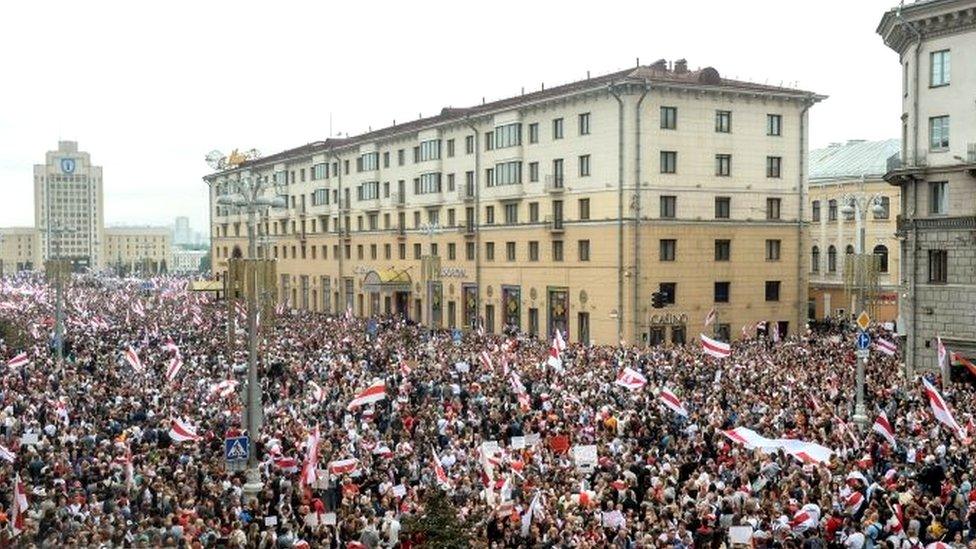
187	261
182	234
68	195
854	167
19	249
936	46
139	250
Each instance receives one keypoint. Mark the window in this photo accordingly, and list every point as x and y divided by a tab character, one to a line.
511	214
723	250
489	251
668	206
772	290
490	177
533	250
450	182
669	161
940	68
507	173
774	124
832	210
722	292
451	251
723	121
938	198
773	249
450	148
489	215
469	251
772	208
510	251
670	291
416	220
534	132
320	171
816	210
400	157
774	165
320	197
533	212
428	183
451	218
509	135
669	118
369	162
815	259
939	132
557	173
557	250
489	141
584	208
723	165
368	191
469	144
430	150
723	207
533	172
938	266
882	252
831	259
557	128
669	247
583	246
584	165
584	124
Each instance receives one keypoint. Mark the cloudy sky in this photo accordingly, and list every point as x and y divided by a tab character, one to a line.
148	88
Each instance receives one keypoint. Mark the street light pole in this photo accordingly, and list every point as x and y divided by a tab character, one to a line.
59	231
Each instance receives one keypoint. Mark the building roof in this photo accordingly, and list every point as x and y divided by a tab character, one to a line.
659	73
854	159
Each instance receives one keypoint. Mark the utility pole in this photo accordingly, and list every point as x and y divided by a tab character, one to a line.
59	272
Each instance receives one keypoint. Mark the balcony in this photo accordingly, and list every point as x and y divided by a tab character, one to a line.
554	184
398	199
401	232
467	229
506	192
555	225
369	203
466	192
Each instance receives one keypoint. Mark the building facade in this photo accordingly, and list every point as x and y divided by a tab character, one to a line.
69	207
182	235
936	45
20	249
139	250
837	173
563	209
187	261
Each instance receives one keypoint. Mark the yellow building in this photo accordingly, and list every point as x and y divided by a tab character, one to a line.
142	250
531	207
20	249
838	173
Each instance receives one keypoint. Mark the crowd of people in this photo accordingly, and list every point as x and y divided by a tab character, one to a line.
534	443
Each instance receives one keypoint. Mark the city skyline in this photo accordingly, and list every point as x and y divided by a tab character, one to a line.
202	87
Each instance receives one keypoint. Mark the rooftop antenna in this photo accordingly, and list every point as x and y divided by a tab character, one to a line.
523	90
587	75
330	124
638	61
543	86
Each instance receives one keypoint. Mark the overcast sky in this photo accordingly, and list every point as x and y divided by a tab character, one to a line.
148	88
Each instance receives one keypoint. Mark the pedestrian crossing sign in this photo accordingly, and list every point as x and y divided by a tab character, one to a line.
237	450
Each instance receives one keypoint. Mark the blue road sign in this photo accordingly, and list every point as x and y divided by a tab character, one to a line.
371	327
863	341
456	335
237	449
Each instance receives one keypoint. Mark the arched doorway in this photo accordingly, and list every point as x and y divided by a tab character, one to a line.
386	284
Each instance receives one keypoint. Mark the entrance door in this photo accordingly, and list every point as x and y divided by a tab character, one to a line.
402	303
374	304
418	310
583	328
490	319
655	336
452	314
534	321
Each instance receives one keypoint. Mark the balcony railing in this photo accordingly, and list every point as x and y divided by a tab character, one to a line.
506	192
466	192
399	231
554	183
398	199
555	224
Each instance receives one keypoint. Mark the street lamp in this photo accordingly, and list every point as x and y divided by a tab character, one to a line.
857	204
250	198
59	231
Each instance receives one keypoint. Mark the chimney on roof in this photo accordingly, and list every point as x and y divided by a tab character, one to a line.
660	66
681	66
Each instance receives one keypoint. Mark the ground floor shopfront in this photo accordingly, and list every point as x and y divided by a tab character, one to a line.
827	301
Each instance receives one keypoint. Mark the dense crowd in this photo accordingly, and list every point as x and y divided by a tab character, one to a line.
118	446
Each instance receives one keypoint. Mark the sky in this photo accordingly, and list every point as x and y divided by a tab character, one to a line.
149	88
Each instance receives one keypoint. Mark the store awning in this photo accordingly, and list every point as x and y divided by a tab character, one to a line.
386	281
206	286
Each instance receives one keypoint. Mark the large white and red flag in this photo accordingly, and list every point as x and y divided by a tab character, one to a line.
672	401
715	348
374	393
710	318
439	473
132	357
18	507
807	517
174	367
631	379
485	358
943	356
554	359
940	408
883	428
750	439
885	346
310	466
807	452
344	466
182	431
7	454
20	359
853	503
224	389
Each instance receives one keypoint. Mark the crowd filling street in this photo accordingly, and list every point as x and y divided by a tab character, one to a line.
535	442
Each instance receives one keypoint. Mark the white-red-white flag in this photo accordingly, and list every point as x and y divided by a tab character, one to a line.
174	367
715	348
559	342
20	359
672	401
554	359
943	356
344	466
439	473
940	408
485	358
776	332
310	467
710	317
18	507
170	346
7	454
631	379
885	346
224	389
853	503
883	428
182	431
318	394
132	357
374	393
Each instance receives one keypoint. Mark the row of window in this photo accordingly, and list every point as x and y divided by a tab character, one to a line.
880	250
723	164
723	249
883	213
939	70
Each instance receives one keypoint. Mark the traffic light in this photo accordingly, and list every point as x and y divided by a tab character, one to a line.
658	299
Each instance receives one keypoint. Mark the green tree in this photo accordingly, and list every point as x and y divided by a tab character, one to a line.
439	526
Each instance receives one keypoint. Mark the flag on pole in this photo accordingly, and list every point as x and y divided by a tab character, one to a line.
175	364
554	359
940	408
672	401
885	346
133	359
715	348
485	359
534	507
344	466
181	431
883	428
310	467
943	357
18	506
374	393
17	361
559	342
631	379
710	317
439	473
317	392
958	359
776	332
170	346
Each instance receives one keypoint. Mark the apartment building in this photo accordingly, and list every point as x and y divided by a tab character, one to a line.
69	207
565	208
936	45
142	250
839	173
19	249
